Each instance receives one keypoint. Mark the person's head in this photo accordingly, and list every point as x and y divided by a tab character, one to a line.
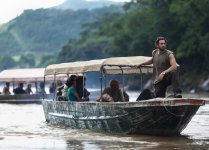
7	84
29	85
71	81
52	84
59	83
41	85
79	80
160	43
21	85
114	85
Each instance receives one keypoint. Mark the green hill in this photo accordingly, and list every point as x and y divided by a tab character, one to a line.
45	30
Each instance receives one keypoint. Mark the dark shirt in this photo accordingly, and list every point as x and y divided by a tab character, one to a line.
161	62
80	92
117	95
19	90
28	91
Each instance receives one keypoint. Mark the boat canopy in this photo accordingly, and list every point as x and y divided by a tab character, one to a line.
23	75
114	65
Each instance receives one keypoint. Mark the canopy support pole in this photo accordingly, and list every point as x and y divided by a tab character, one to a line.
55	95
36	85
101	80
122	78
83	85
141	78
44	86
13	86
123	84
105	81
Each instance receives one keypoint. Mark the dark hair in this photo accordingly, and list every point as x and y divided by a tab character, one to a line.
41	85
7	83
80	80
158	39
21	84
113	83
71	80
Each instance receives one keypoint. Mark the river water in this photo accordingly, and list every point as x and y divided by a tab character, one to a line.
23	127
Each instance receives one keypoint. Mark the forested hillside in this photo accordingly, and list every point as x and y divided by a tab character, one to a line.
133	32
184	24
41	32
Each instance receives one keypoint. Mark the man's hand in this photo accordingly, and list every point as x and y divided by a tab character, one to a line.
83	99
137	66
160	77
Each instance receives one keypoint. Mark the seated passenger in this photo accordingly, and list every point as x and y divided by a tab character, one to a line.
59	93
115	92
59	90
19	89
80	88
52	88
41	89
64	92
28	89
65	88
72	94
6	89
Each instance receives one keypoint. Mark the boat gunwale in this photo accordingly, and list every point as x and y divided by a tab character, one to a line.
157	102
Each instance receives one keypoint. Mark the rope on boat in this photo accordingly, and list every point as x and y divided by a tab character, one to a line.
171	112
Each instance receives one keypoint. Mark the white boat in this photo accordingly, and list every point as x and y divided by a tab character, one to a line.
31	76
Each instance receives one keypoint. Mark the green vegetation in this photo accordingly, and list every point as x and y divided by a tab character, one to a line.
184	24
38	33
94	34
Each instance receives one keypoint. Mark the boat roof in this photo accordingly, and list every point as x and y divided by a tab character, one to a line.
22	75
113	65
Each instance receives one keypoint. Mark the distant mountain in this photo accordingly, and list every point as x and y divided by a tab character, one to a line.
83	4
44	31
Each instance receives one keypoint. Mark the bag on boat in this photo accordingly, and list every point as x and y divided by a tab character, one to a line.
145	95
106	98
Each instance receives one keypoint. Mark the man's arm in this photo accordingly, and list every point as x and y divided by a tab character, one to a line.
173	64
148	62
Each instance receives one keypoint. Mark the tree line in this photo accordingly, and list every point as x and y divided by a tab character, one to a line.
129	32
184	24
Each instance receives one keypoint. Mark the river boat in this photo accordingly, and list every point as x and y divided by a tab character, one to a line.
158	116
31	76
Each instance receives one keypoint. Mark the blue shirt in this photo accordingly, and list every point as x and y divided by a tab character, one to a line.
70	92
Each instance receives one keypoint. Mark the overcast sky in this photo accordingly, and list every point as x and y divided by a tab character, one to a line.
9	9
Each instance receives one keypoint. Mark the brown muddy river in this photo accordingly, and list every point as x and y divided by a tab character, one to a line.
23	127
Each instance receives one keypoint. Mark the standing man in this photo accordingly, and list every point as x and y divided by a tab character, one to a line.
165	70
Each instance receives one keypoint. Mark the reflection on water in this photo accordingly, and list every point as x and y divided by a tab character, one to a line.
24	127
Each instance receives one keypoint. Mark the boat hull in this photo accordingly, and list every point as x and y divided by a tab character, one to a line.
23	98
155	117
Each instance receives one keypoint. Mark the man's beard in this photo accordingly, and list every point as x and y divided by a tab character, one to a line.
162	49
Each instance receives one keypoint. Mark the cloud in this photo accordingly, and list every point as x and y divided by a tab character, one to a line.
9	9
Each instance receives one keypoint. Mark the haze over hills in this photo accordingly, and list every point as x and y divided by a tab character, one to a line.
83	4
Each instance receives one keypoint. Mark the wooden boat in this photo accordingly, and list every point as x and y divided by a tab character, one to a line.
160	116
14	76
